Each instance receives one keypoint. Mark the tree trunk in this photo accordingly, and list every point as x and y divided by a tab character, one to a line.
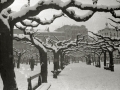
62	59
18	63
56	61
6	59
104	58
93	59
43	61
99	64
111	65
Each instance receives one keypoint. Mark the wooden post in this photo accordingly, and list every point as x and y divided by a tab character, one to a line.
29	84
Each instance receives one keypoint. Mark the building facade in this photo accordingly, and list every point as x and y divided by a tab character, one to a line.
112	33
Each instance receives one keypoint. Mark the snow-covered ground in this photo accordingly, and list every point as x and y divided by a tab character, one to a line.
79	76
76	76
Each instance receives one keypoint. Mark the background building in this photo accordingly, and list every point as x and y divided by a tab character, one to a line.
112	33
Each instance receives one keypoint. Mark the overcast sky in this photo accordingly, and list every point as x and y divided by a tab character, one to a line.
97	22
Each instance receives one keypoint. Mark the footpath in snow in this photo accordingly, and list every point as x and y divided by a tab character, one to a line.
79	76
75	76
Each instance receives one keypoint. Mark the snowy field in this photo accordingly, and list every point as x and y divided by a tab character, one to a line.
76	76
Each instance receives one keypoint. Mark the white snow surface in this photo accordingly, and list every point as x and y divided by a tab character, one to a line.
79	76
75	76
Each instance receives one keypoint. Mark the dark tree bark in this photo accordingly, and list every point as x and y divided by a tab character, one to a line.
99	64
19	59
111	66
6	58
104	58
56	61
61	60
44	68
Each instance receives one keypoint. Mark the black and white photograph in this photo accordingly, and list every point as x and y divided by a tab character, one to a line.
59	44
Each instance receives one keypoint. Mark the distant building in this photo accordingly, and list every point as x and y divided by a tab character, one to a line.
112	33
52	35
109	32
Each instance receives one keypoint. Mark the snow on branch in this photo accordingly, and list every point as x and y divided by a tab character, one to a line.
29	24
38	43
66	41
54	4
114	21
21	37
102	37
114	13
66	50
22	28
6	12
117	28
34	41
5	3
61	43
108	42
92	38
56	38
70	44
78	18
44	22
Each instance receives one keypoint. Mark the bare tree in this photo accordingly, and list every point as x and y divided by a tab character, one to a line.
19	55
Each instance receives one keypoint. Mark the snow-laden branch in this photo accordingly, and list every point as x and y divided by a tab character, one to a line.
22	37
36	43
106	38
22	28
107	42
63	42
33	40
92	38
55	4
44	22
5	3
29	24
117	48
67	50
114	13
56	38
117	28
71	44
114	20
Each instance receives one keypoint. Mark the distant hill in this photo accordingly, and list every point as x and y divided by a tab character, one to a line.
70	27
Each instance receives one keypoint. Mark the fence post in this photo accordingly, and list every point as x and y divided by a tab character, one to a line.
39	80
29	84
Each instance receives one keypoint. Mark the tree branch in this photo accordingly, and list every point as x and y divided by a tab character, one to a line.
5	3
29	24
45	22
53	4
21	37
114	21
21	28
